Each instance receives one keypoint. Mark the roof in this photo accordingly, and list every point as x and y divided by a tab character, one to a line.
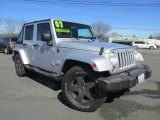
53	19
38	21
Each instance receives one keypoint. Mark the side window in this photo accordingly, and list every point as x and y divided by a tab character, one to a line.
29	32
136	42
43	28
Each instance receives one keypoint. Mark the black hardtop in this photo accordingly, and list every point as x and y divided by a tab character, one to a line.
37	21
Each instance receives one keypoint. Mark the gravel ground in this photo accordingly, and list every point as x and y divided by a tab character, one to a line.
39	98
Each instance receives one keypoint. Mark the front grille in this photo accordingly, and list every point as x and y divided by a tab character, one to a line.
126	59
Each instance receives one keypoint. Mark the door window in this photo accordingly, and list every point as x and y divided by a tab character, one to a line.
20	37
143	42
43	28
29	32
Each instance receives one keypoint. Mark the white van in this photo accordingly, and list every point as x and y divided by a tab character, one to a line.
144	44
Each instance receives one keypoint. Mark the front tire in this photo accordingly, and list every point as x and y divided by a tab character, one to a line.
136	47
80	91
19	67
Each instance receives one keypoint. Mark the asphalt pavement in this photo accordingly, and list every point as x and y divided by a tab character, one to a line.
37	97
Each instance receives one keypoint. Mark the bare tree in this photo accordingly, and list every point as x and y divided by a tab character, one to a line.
101	29
156	36
10	27
13	27
114	34
18	25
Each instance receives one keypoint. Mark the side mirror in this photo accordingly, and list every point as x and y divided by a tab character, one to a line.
46	37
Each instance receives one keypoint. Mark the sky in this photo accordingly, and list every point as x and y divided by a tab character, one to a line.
140	17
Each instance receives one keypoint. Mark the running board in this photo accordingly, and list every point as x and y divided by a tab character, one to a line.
46	73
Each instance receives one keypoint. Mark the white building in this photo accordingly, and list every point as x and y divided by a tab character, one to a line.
129	38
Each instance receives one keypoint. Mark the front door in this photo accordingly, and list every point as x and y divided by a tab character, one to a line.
43	53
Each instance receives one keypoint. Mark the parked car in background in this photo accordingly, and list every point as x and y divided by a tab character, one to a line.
158	46
144	44
154	41
6	44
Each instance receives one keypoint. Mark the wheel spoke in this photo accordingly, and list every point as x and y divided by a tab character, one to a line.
80	96
89	85
74	88
18	65
88	95
80	81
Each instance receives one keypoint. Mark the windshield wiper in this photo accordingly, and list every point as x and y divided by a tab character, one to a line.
90	38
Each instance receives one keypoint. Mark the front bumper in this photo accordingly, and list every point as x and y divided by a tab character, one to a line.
124	80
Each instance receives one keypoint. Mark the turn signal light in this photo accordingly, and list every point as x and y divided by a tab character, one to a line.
94	65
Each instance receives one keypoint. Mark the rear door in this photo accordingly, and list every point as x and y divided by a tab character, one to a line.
28	41
140	44
147	45
144	45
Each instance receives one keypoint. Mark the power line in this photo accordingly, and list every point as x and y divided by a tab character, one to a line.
77	11
95	3
139	29
98	3
10	20
99	13
123	28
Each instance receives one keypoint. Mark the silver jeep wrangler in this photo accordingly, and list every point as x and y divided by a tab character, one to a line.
69	52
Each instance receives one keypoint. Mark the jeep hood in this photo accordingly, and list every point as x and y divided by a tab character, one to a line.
91	46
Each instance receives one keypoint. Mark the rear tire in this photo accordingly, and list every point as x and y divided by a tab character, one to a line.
6	51
19	67
80	91
152	48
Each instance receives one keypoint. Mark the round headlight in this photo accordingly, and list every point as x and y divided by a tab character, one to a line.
138	56
113	58
111	54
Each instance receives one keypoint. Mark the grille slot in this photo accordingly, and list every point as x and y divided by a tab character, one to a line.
126	59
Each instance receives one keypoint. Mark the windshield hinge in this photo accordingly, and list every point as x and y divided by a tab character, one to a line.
101	51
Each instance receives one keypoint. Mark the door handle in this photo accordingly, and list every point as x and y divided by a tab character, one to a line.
35	45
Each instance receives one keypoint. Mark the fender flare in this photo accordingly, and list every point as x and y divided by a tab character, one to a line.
22	54
102	63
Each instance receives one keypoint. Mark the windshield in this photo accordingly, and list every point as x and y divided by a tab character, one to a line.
72	30
13	39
